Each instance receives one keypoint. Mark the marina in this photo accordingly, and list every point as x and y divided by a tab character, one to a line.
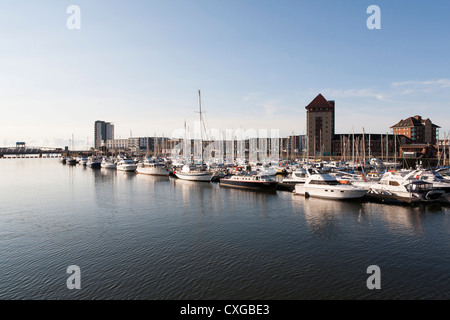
401	186
138	236
318	179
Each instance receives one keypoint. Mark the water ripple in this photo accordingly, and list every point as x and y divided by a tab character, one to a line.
138	237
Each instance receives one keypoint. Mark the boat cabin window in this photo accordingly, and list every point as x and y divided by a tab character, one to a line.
394	183
419	187
326	183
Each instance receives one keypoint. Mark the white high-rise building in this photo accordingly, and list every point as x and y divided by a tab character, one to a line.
103	131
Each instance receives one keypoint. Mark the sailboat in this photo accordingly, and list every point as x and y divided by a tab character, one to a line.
196	172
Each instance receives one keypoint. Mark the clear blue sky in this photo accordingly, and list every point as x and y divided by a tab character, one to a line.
258	63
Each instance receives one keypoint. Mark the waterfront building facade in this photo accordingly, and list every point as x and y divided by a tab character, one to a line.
320	127
413	134
103	131
152	144
417	129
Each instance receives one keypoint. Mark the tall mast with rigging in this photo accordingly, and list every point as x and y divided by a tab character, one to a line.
201	124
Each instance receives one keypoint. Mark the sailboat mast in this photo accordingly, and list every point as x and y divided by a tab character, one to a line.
314	148
439	155
448	138
364	148
387	148
445	158
353	150
395	150
155	145
201	122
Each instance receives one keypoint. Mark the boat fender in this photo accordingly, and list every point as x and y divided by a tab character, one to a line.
306	195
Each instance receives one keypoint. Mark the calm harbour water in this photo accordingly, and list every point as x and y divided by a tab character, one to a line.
143	237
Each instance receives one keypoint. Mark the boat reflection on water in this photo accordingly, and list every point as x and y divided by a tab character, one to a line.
259	200
121	175
190	184
192	192
214	198
152	179
105	191
406	220
107	173
324	217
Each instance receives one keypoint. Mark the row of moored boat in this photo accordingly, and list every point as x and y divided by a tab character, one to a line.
403	186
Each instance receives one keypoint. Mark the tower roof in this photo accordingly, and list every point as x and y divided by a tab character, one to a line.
410	122
320	102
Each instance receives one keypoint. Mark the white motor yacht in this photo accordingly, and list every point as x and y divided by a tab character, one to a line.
94	162
126	165
298	176
194	173
83	161
401	186
435	178
323	185
108	164
154	168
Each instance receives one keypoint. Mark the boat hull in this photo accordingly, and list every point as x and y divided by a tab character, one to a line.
392	198
94	164
191	176
128	168
445	198
286	186
254	185
330	193
108	166
153	172
405	197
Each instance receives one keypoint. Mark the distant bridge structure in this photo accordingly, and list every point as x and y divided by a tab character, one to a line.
30	150
21	151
